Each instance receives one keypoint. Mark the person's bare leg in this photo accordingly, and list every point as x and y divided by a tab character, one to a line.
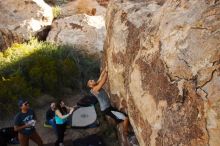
110	120
125	126
24	140
36	138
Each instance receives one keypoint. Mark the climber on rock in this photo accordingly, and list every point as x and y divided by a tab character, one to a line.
104	101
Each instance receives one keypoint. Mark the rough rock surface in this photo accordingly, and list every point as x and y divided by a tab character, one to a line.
89	7
21	19
8	37
103	2
82	32
163	61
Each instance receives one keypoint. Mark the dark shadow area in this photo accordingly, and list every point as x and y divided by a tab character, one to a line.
42	35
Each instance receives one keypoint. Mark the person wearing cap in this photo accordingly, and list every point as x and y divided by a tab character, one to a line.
25	125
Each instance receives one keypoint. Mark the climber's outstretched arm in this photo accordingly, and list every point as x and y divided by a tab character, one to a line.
101	81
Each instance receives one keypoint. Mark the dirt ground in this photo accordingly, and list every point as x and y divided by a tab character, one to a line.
106	131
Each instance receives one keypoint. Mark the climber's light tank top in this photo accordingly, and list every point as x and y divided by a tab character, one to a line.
103	99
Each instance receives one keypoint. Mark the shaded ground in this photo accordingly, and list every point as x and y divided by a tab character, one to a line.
106	131
66	143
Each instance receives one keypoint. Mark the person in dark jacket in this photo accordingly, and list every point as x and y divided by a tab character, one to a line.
25	125
50	115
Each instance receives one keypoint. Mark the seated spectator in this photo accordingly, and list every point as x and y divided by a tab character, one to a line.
50	115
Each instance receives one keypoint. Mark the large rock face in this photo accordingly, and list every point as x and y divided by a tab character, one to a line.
21	19
82	32
164	69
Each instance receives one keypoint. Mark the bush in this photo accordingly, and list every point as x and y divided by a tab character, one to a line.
34	68
56	11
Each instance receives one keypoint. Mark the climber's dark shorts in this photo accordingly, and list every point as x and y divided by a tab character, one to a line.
115	114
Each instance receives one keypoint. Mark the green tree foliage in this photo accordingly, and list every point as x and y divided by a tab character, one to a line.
34	68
